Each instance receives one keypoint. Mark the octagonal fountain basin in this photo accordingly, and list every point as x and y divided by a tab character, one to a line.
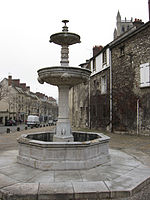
87	151
58	75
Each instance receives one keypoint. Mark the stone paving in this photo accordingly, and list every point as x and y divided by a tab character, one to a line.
127	176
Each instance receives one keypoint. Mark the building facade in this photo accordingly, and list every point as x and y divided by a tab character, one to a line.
90	100
117	96
130	55
17	102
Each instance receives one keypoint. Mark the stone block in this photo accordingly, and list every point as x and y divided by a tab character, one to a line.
93	190
20	191
53	191
6	181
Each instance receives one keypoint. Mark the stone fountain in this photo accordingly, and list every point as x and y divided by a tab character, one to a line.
63	149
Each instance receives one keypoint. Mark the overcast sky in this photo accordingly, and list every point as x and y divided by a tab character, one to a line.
26	25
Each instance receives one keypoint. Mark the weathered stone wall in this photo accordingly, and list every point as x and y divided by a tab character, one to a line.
99	102
126	82
79	98
97	115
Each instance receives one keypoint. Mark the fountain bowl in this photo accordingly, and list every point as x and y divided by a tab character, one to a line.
87	151
68	76
65	38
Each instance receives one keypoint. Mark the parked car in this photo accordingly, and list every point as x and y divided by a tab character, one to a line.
50	122
33	121
11	122
55	121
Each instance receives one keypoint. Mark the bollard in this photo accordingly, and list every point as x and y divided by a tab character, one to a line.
8	130
18	128
26	127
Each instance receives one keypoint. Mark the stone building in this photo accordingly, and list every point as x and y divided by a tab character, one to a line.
118	93
130	55
90	101
17	102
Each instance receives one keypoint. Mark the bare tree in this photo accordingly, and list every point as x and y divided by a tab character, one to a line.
3	91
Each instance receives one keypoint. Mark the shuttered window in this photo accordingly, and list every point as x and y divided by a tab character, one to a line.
145	75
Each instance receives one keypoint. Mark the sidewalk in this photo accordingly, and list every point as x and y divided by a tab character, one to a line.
130	166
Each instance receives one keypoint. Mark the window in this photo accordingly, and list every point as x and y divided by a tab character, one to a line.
94	110
103	85
122	51
1	120
95	84
94	64
123	29
81	111
145	75
104	58
89	66
87	112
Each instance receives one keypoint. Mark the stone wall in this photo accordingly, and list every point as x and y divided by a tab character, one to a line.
127	56
99	101
79	98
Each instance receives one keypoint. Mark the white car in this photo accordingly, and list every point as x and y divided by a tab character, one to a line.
33	121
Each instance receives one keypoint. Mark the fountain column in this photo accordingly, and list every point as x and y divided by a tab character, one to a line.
63	128
64	56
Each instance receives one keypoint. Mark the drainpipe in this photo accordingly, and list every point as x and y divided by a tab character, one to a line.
111	101
149	9
89	104
137	118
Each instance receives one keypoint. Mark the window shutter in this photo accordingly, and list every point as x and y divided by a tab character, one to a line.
141	76
145	75
103	85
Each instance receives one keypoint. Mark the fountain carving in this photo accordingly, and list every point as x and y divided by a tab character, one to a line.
63	149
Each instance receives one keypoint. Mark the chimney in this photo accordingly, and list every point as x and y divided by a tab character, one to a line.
40	95
28	88
16	82
9	80
96	50
138	22
23	86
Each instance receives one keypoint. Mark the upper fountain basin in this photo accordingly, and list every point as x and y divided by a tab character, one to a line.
68	76
65	38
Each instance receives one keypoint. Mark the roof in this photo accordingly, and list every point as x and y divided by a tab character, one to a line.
133	31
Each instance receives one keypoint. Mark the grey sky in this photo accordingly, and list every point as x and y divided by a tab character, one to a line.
26	26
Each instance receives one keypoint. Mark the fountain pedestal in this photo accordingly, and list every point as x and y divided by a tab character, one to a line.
63	129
